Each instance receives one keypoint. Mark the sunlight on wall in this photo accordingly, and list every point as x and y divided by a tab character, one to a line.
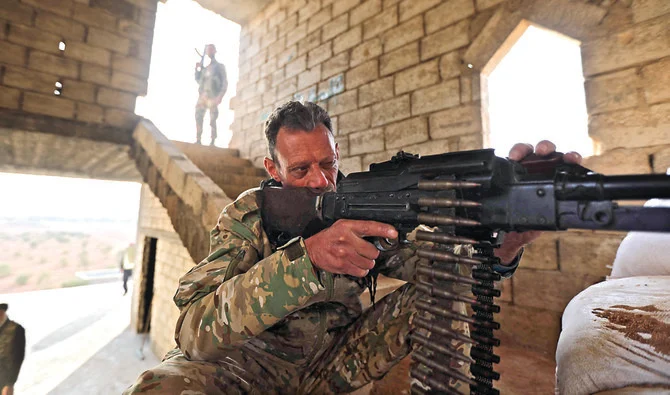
536	92
71	198
181	27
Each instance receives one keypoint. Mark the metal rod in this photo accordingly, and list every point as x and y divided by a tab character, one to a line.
439	348
435	219
437	185
443	238
442	369
446	256
444	202
424	323
442	274
441	311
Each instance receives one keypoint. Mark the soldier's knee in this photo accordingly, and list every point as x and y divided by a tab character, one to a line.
165	381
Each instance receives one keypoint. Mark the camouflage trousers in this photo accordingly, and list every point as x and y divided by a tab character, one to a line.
365	351
204	103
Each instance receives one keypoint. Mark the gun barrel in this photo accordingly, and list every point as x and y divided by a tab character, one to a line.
625	187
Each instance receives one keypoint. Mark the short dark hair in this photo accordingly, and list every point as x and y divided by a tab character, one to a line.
4	306
294	115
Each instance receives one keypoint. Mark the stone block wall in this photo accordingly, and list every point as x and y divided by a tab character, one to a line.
95	52
407	74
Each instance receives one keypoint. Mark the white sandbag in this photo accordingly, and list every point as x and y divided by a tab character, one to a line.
643	253
616	334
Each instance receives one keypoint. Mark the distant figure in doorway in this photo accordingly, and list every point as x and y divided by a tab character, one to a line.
127	264
212	85
12	351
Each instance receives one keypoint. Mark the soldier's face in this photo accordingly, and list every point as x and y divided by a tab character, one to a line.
305	159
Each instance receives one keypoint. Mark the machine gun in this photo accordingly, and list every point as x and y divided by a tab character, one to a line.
470	197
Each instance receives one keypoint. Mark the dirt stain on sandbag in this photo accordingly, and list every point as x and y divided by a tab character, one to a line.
639	327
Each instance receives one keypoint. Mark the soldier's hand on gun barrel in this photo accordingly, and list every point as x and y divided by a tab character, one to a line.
341	249
514	241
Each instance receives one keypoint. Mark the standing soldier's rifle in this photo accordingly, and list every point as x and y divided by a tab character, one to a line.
470	197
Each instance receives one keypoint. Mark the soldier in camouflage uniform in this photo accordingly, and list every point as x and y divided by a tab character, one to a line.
257	317
12	351
212	85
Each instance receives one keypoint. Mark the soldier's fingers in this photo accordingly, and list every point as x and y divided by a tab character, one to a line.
520	151
362	263
545	147
365	248
356	271
374	229
572	157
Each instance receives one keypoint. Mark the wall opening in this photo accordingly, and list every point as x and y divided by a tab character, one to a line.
533	90
181	31
146	291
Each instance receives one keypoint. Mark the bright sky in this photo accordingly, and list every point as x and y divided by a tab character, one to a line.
528	103
77	198
182	26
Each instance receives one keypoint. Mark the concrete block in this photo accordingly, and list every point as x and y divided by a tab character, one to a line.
470	142
661	160
130	65
380	23
391	110
136	31
287	55
588	252
12	53
122	9
368	159
48	105
86	112
484	4
177	171
96	74
354	121
32	80
445	40
53	64
120	118
367	50
335	65
432	147
447	13
399	59
620	161
276	18
16	12
342	103
648	9
436	97
402	34
631	128
113	98
613	91
213	207
381	89
455	121
401	134
367	10
198	187
129	83
347	40
542	253
410	8
342	6
269	37
362	74
335	27
548	289
309	77
309	9
287	87
64	27
351	164
60	7
343	144
9	97
656	79
366	141
289	24
319	54
319	19
642	43
535	328
78	91
88	54
296	67
310	42
93	16
297	34
104	39
424	74
34	38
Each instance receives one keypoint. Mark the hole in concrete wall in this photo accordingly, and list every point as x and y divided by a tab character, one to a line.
533	89
59	88
61	46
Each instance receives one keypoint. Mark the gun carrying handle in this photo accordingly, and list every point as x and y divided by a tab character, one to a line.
535	164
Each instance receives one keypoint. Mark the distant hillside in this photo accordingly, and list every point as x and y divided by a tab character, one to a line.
42	253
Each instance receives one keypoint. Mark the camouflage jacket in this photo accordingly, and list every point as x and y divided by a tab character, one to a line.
265	300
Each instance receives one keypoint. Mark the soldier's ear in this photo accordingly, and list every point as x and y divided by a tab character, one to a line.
272	168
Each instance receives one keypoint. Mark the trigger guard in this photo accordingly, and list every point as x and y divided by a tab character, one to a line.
385	244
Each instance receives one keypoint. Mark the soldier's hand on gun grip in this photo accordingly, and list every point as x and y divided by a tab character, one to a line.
341	249
514	241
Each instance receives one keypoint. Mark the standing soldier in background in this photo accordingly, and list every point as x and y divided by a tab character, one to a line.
212	85
12	351
127	264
